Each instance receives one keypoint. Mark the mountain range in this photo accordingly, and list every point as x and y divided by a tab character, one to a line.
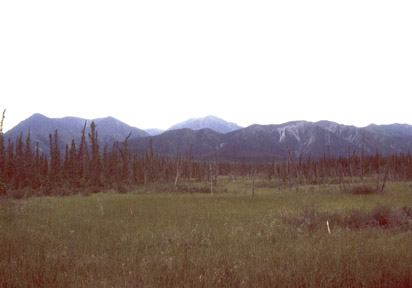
109	130
214	137
272	142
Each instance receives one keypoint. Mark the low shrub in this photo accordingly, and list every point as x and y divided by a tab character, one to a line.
357	219
361	190
85	192
63	191
3	189
194	189
407	211
122	188
308	219
17	194
22	193
382	216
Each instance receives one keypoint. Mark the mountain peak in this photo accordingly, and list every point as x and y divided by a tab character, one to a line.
212	122
211	117
108	118
37	116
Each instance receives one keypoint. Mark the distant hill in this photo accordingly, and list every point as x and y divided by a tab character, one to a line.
180	141
109	130
271	142
154	131
211	122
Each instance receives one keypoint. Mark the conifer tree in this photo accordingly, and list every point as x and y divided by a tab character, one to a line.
44	166
83	156
9	168
2	156
66	163
55	162
95	165
37	176
125	158
28	163
37	157
72	166
114	165
106	166
19	163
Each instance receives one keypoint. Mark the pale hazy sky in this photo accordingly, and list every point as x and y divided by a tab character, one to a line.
155	63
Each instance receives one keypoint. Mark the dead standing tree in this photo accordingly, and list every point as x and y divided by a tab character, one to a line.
388	167
2	154
292	173
125	159
253	172
213	172
211	178
362	158
178	167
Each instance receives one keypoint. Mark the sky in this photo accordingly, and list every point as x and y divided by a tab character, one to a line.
155	63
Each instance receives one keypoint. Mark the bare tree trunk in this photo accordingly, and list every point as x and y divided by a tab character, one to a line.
190	163
253	185
211	186
211	179
178	169
177	176
377	181
362	156
388	166
351	174
253	180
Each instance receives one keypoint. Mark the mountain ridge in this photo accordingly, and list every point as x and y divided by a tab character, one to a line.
272	142
253	143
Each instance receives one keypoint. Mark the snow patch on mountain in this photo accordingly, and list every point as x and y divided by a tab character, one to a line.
295	129
295	132
311	140
282	135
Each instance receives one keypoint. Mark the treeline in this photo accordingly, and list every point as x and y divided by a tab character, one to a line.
83	167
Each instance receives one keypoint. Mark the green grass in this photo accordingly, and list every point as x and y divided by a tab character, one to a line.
154	238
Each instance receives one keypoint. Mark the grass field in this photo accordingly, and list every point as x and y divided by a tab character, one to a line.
154	238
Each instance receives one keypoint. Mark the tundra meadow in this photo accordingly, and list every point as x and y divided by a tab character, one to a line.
311	236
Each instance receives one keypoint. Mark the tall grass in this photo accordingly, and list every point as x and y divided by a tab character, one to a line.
275	239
